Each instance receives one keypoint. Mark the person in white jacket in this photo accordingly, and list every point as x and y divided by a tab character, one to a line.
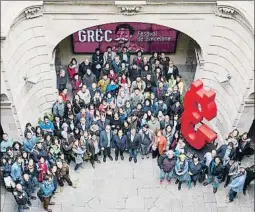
122	99
85	95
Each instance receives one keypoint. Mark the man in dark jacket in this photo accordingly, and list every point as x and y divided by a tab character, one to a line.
134	72
21	198
226	152
147	138
67	145
171	70
195	168
177	109
62	174
57	123
125	56
97	63
119	144
83	67
133	140
105	141
166	163
28	186
89	78
61	80
38	151
216	170
102	122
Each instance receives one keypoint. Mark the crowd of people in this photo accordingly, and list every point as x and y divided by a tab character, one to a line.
119	105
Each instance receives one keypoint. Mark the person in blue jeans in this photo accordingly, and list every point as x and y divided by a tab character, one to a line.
215	170
166	163
237	184
47	189
133	143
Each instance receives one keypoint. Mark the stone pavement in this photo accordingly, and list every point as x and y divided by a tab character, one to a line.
124	186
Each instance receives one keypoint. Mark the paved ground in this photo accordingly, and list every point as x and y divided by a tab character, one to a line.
127	187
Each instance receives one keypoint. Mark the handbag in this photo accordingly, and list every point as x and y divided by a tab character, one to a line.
154	147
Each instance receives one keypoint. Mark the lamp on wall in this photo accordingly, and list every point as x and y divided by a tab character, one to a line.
31	80
223	77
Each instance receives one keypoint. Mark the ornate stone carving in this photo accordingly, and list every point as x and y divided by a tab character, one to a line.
225	12
130	10
33	12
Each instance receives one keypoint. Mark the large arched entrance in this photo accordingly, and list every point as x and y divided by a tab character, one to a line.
184	50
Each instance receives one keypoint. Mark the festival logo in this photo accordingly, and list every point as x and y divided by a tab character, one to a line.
198	104
143	37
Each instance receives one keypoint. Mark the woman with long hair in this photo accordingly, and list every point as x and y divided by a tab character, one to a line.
29	128
68	109
72	68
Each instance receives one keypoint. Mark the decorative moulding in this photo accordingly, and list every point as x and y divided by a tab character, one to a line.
130	7
225	12
130	10
33	12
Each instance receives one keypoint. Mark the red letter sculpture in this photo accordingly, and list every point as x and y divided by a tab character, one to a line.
193	114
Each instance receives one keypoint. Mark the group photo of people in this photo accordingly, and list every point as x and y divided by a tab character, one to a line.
119	108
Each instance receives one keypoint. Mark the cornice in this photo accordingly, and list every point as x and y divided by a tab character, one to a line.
239	12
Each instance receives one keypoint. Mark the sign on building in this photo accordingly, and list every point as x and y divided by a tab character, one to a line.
148	38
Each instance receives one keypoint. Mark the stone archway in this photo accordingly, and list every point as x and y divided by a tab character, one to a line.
185	56
8	122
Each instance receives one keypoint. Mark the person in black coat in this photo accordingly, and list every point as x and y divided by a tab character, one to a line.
249	177
177	109
115	121
226	152
61	80
171	70
97	63
243	147
133	143
83	67
21	198
93	149
216	170
134	72
38	151
57	123
102	122
105	140
195	168
119	144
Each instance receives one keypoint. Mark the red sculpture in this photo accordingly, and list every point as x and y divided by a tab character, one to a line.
198	104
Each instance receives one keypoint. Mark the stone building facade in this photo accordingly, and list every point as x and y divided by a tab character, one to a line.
31	30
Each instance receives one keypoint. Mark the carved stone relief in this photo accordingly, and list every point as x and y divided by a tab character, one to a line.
33	12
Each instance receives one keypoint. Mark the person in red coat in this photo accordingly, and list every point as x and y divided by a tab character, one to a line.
43	169
63	94
72	68
76	84
113	76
